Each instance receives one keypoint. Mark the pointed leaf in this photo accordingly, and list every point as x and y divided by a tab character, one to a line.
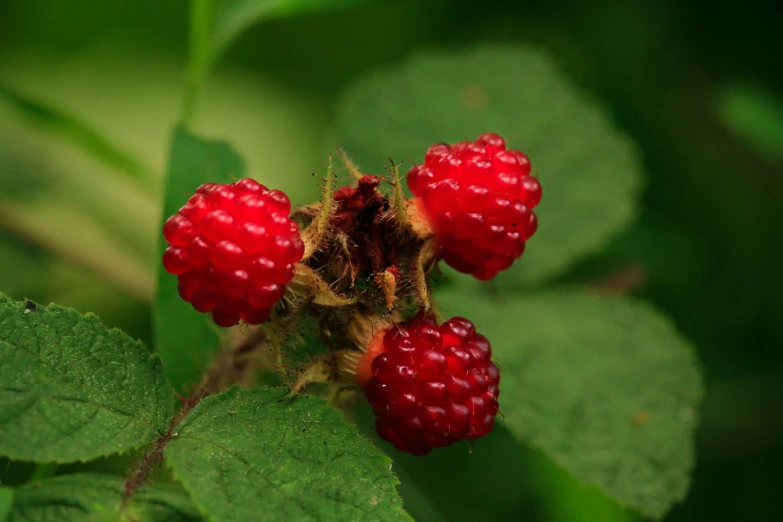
184	338
588	168
72	389
605	386
244	455
99	497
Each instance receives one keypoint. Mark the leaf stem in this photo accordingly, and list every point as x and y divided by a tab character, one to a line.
227	368
271	330
200	57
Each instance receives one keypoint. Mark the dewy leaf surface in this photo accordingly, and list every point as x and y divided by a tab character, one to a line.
99	497
588	168
184	338
605	386
244	455
72	389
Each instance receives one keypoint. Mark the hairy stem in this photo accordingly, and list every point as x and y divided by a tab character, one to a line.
272	331
228	368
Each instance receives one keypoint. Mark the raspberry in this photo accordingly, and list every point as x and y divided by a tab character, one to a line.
430	385
233	249
478	199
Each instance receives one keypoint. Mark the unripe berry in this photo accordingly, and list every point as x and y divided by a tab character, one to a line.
477	199
233	249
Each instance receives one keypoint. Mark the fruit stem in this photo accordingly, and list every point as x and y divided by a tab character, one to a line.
272	331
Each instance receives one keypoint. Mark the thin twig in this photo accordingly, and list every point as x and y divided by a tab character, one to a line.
228	368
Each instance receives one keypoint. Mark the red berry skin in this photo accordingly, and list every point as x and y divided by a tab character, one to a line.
233	249
430	385
478	200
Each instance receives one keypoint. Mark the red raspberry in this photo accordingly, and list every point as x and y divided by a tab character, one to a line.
430	385
233	249
477	199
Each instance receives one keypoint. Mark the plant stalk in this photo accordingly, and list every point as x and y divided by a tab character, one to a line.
200	58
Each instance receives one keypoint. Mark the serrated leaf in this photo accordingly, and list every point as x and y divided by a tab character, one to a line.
184	338
588	168
72	389
605	386
245	455
233	17
99	497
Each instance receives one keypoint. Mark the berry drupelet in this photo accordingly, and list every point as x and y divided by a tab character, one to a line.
477	199
233	248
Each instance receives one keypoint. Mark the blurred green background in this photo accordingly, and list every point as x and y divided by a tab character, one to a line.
698	85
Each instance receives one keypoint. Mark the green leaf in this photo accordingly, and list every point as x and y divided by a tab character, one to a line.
6	500
233	17
96	496
588	168
72	389
184	338
78	132
605	386
245	455
755	114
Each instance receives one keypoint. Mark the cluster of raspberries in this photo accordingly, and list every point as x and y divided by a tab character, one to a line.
235	249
